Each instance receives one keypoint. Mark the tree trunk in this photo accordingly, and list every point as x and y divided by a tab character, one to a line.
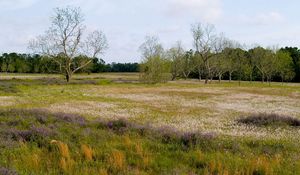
230	73
220	78
185	76
67	77
207	72
263	78
199	76
173	77
206	79
7	66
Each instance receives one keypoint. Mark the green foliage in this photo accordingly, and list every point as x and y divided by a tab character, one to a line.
155	70
284	66
175	55
26	63
295	54
188	63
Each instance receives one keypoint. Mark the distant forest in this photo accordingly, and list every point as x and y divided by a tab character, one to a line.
28	63
34	63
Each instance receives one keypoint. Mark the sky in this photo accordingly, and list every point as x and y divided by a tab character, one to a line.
126	23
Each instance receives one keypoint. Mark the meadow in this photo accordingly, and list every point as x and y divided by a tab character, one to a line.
113	124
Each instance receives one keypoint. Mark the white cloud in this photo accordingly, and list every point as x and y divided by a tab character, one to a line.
16	4
208	10
269	18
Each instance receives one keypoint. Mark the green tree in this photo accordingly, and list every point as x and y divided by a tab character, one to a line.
7	62
249	66
175	56
154	67
264	60
1	62
295	54
223	59
188	63
284	65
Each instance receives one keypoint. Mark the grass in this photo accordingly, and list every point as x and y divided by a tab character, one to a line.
111	124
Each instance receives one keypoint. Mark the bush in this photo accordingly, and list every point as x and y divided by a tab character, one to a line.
264	119
155	70
5	171
120	126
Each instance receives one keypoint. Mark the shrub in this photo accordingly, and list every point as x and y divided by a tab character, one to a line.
264	119
36	134
5	171
72	118
120	126
189	139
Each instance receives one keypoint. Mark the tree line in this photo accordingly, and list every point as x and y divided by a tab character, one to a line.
34	63
64	49
216	57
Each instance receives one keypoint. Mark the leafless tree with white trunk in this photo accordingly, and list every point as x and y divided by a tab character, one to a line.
204	42
64	41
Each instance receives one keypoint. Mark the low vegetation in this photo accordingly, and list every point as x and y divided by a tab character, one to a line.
39	142
112	124
270	120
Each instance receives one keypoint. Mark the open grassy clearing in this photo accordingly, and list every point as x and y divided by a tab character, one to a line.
179	109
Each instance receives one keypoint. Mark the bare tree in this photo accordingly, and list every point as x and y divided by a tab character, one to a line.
204	41
63	41
151	48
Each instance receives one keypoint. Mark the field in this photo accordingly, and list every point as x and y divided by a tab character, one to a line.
112	124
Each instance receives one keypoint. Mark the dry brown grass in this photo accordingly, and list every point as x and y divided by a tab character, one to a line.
87	152
117	160
66	163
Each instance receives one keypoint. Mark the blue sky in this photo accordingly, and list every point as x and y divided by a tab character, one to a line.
127	22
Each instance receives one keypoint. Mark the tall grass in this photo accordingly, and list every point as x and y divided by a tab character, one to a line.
121	148
87	152
117	161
